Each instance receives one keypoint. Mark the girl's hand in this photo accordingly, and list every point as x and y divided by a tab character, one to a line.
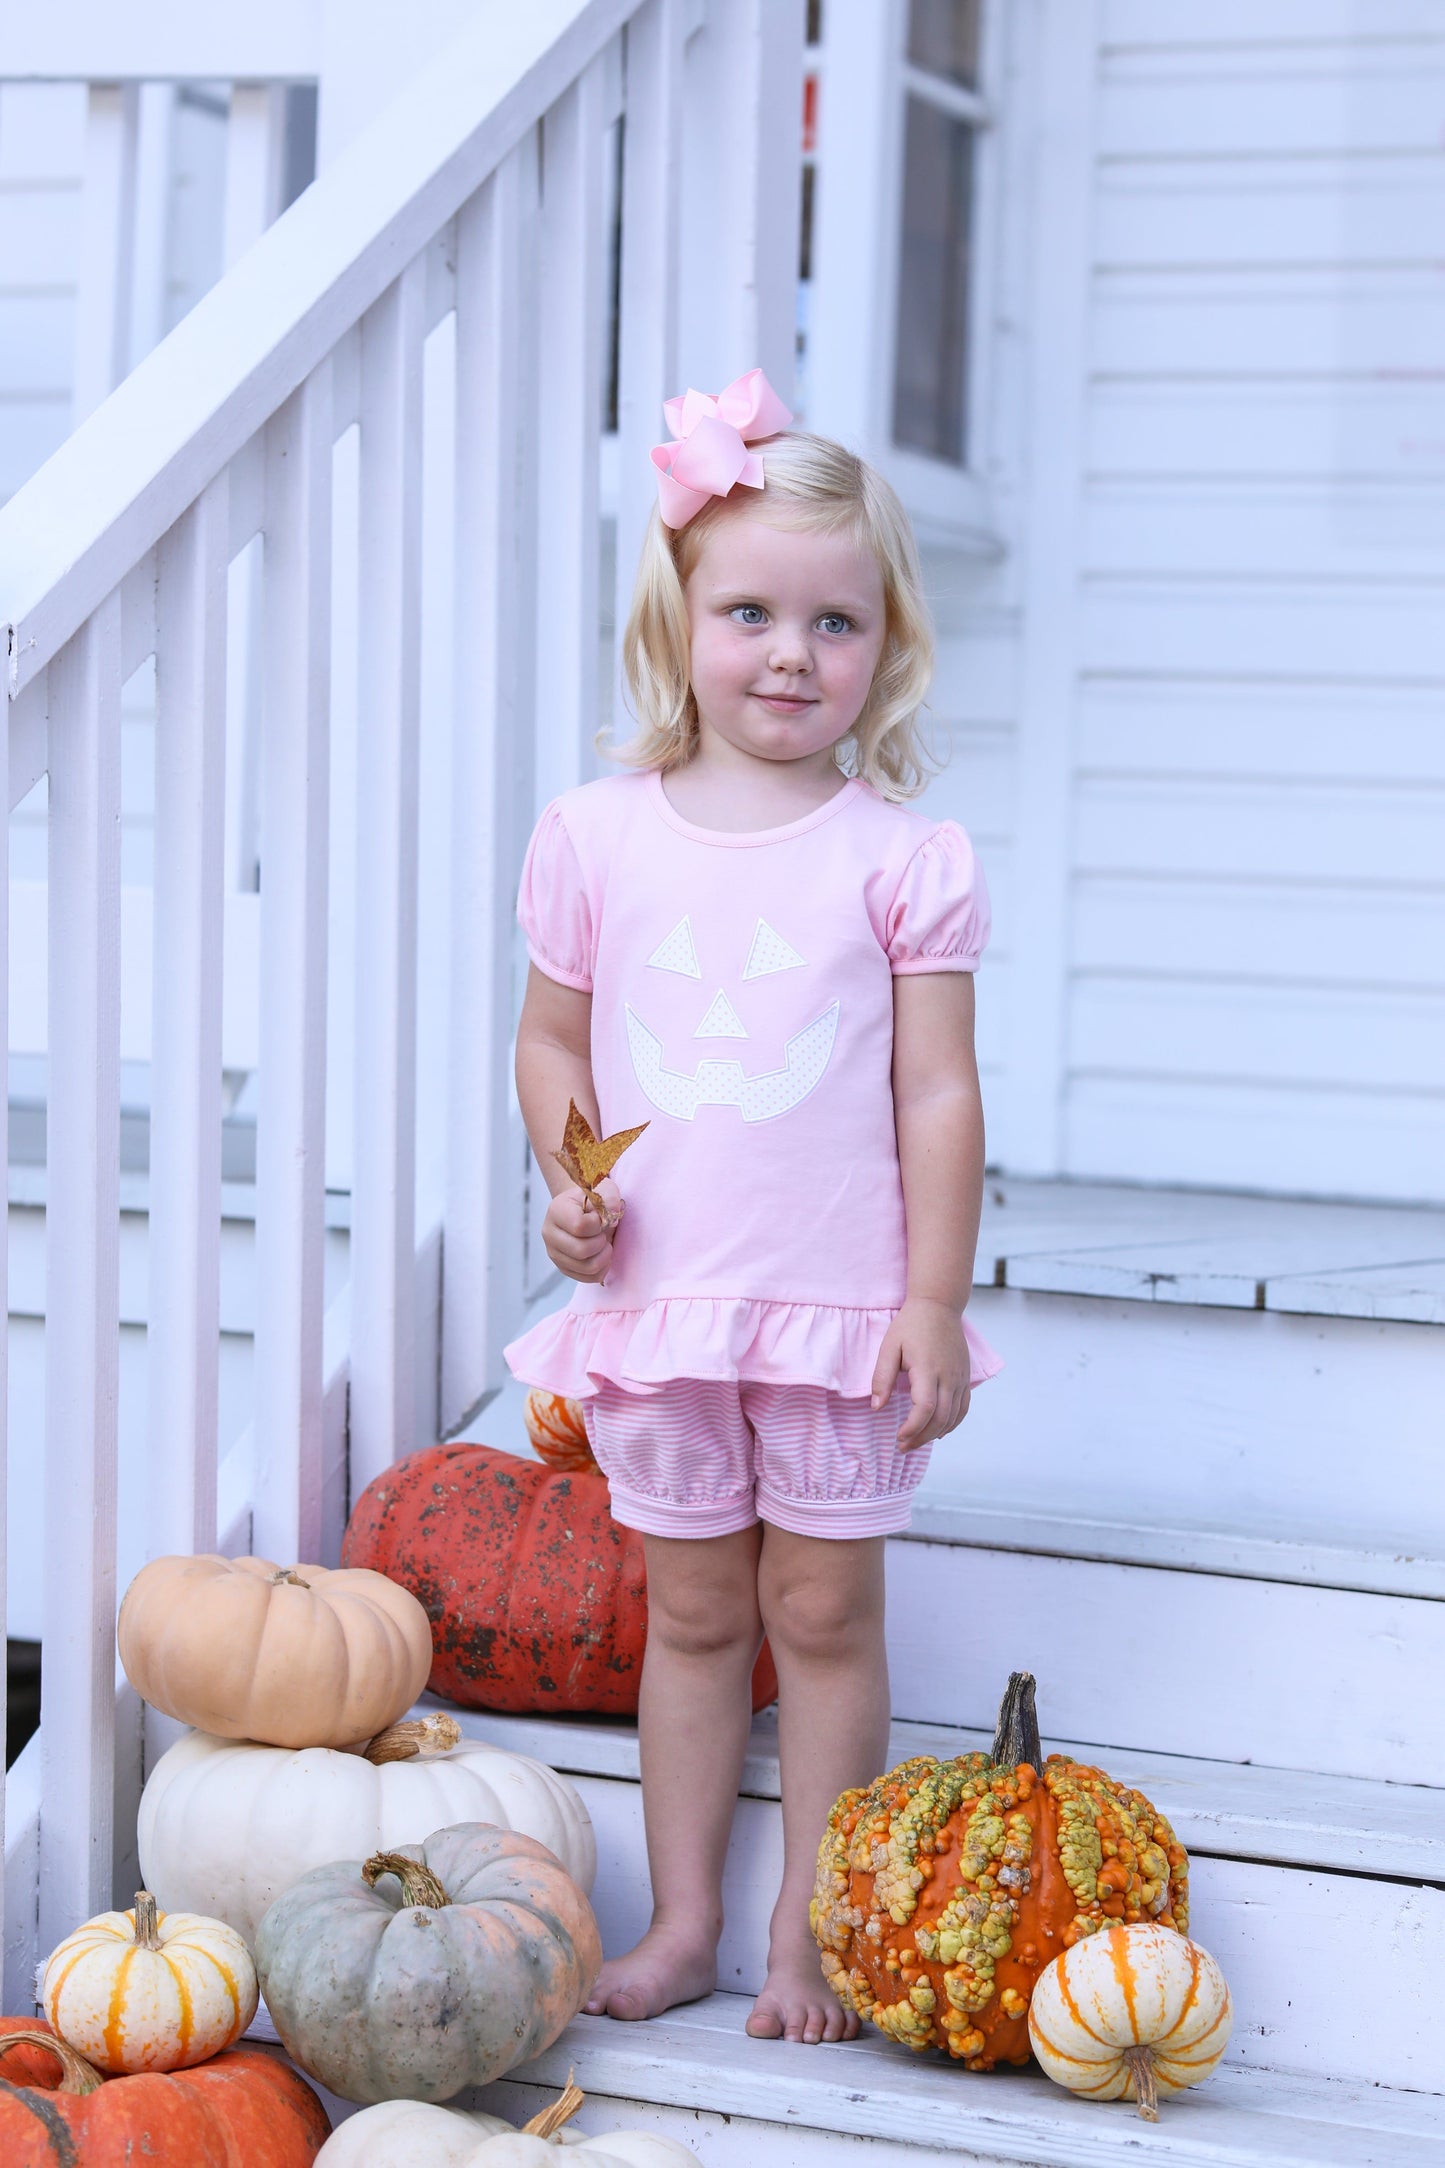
572	1236
925	1339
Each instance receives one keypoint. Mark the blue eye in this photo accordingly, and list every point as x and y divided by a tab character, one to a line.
748	613
836	622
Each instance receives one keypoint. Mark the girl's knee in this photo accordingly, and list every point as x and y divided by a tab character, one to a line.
702	1598
816	1614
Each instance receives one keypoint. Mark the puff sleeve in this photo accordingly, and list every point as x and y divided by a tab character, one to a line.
552	906
939	918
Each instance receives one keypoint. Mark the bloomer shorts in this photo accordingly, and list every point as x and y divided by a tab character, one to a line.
709	1456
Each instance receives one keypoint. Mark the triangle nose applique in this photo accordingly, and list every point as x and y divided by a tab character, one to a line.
722	1020
770	952
677	953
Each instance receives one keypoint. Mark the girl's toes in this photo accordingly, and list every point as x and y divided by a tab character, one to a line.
764	2022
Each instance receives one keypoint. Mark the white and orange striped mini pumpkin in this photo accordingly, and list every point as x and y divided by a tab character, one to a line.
149	1990
557	1431
1129	2013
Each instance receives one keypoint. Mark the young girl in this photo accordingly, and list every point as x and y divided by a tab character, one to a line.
765	956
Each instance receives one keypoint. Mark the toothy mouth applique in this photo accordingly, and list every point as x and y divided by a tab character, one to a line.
724	1082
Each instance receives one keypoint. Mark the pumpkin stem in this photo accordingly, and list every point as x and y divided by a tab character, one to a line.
288	1573
419	1886
1017	1737
1146	2091
418	1736
79	2076
147	1924
561	2111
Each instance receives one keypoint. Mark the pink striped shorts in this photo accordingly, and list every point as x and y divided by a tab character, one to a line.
709	1456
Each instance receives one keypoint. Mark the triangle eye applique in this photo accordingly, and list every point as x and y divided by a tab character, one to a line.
677	952
770	952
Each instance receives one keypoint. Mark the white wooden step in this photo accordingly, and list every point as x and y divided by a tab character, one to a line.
742	2103
1297	1884
1231	1810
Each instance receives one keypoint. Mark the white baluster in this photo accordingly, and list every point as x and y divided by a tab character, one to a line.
383	1205
290	1162
491	771
570	274
742	193
185	1157
107	249
651	204
82	1294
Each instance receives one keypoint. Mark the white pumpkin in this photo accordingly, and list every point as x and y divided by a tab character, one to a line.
225	1826
410	2134
149	1990
1129	2013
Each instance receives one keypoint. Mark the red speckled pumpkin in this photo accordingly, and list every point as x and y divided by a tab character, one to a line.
537	1597
246	2105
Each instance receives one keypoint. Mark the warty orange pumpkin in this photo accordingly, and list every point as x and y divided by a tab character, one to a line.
57	2112
946	1887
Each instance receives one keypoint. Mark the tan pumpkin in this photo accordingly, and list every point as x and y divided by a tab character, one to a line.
150	1990
1131	2013
412	2134
289	1655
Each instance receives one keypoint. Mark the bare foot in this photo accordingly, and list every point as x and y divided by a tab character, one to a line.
669	1965
796	2003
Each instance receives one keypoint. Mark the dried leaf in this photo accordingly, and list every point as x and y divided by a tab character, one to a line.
588	1158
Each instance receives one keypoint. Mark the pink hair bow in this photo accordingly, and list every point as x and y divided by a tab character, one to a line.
709	449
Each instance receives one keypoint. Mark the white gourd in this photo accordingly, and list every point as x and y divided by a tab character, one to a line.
149	1989
413	2134
1130	2013
225	1825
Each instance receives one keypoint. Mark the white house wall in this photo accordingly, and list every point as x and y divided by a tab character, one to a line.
1196	713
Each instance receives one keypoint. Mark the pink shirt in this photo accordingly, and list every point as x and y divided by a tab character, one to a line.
742	1006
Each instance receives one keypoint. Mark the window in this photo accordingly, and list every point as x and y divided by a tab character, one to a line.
942	115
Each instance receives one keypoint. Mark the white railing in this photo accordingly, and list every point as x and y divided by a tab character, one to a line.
472	210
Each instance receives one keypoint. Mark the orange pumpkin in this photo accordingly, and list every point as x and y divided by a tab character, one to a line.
56	2111
537	1598
556	1430
945	1888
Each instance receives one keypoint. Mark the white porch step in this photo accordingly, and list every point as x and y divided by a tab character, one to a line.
1300	1885
696	2076
1227	1809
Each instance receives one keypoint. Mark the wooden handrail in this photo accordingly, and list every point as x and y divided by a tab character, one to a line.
105	498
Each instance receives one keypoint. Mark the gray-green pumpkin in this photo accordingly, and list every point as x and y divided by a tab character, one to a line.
429	1968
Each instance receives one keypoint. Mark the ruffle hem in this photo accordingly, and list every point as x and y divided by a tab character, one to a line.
573	1352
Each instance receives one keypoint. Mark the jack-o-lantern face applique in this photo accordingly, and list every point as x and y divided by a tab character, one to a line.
724	1083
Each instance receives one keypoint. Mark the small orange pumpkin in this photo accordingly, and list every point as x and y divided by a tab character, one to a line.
245	2105
557	1431
945	1888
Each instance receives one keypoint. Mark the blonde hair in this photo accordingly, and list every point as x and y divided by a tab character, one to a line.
821	487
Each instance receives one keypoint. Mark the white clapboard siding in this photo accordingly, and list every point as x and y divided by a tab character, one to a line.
1251	969
1260	1137
1386	734
1288	529
1277	1931
1279	932
1316	426
1266	321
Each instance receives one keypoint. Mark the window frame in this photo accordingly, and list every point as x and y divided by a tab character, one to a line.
950	505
